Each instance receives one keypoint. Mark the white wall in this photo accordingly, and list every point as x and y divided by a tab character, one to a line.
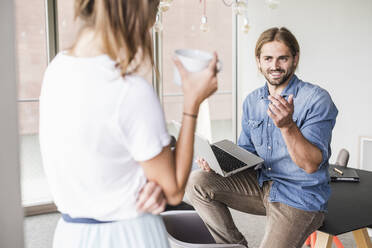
335	39
11	215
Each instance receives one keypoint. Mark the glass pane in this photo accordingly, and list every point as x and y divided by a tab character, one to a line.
35	189
31	62
31	47
67	27
181	30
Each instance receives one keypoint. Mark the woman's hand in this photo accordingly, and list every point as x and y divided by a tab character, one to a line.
151	199
197	86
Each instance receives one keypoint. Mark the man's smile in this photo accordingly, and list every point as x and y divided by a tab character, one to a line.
276	74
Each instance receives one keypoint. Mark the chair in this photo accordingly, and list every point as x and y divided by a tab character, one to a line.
186	229
342	157
342	160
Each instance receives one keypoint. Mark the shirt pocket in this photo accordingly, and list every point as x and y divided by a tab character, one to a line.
256	131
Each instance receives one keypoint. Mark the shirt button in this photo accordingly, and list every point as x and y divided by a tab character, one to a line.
269	168
269	125
269	147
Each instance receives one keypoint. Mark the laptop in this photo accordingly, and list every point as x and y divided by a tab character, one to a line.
224	157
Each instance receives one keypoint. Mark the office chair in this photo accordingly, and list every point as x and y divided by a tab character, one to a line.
187	230
342	160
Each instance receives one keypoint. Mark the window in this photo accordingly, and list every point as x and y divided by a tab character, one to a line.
31	61
181	30
67	28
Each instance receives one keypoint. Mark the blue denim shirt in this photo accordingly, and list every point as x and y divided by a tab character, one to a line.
315	115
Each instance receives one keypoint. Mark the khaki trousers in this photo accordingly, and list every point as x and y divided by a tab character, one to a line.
212	194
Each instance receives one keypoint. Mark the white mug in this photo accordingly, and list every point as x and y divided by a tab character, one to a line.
193	61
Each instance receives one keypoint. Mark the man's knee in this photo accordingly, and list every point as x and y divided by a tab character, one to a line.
198	183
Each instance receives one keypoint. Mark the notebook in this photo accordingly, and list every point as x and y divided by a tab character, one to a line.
348	174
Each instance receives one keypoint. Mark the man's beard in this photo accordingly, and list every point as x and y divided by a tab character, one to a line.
282	80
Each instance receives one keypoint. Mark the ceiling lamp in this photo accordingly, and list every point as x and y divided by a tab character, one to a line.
164	5
239	7
204	20
246	27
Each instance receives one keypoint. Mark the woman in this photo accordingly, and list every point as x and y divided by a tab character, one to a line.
103	133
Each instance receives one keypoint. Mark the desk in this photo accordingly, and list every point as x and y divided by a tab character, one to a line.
349	210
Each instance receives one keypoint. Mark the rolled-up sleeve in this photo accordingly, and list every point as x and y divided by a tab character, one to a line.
141	121
320	120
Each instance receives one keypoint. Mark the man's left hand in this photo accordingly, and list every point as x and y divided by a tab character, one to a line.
151	199
281	111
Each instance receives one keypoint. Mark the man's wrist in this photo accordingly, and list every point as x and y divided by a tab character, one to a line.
288	128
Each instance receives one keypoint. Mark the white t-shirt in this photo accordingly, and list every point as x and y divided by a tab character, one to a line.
94	127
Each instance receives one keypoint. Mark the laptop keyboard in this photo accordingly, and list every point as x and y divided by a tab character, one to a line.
227	162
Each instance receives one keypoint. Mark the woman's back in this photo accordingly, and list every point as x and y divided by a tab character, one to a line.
94	126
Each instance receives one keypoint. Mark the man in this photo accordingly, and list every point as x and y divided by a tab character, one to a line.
289	124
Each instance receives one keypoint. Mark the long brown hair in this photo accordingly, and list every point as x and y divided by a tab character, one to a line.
278	34
124	28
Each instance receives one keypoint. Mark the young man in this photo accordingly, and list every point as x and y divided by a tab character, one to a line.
289	124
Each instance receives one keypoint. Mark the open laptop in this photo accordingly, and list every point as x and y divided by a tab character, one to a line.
224	157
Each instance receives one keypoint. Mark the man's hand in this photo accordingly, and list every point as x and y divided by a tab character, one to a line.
203	164
151	199
281	111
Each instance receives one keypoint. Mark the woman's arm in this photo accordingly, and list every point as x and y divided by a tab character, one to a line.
151	199
171	169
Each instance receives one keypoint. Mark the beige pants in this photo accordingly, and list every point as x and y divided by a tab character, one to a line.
212	194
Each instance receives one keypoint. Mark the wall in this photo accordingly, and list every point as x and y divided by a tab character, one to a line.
11	216
335	39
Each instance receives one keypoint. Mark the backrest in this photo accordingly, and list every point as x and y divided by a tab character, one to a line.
187	226
342	157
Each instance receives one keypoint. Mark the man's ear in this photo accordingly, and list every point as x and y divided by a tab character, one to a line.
258	63
296	57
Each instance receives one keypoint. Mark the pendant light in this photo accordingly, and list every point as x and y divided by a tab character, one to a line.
204	26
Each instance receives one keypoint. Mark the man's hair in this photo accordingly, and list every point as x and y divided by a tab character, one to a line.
278	34
124	27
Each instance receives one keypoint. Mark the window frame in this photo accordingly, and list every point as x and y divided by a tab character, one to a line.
51	24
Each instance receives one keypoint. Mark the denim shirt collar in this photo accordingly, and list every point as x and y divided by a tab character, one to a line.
290	89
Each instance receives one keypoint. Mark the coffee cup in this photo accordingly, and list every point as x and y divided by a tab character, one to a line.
193	61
